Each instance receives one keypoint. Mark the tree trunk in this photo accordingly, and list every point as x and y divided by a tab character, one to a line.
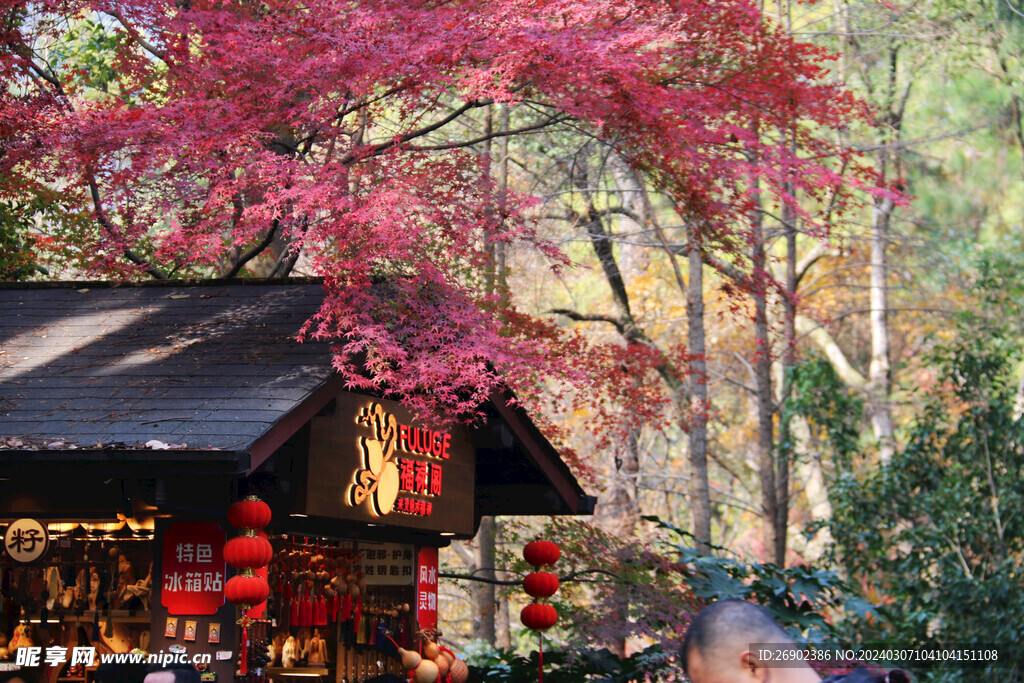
700	501
501	248
484	594
878	370
502	622
764	399
484	597
618	511
785	450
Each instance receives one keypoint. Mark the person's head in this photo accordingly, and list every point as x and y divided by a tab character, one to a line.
173	674
23	676
119	673
717	646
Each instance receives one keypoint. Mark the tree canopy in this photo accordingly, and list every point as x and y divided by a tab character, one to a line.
195	138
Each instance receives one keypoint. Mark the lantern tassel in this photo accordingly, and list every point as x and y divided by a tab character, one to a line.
244	650
540	657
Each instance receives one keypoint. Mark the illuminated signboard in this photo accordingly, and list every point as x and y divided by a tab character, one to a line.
371	461
26	540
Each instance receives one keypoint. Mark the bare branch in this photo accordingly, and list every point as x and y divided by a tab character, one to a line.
590	317
254	252
727	269
101	216
492	136
137	37
411	135
572	577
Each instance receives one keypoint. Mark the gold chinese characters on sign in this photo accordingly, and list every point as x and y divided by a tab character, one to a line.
371	461
383	476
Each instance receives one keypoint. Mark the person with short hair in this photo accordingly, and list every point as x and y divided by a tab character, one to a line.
719	648
172	674
119	673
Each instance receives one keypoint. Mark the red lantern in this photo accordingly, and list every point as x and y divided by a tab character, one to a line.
541	553
248	552
246	590
540	584
538	617
249	513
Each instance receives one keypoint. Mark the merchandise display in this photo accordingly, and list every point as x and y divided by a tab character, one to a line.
83	592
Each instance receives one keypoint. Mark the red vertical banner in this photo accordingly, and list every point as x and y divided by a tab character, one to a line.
192	580
426	588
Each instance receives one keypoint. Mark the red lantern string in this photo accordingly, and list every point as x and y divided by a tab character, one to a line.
247	552
540	616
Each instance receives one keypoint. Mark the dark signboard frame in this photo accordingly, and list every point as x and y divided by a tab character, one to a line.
358	448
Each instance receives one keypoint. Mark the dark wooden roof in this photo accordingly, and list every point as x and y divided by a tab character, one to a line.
92	372
211	366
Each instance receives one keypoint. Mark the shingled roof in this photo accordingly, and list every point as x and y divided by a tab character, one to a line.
96	377
206	365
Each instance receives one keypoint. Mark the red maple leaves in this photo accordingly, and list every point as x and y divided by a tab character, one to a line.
344	132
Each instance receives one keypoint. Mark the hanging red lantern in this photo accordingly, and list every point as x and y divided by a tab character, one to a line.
251	550
538	617
246	589
248	552
541	553
540	584
249	513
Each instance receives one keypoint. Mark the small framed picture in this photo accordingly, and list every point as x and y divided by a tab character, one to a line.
190	631
171	629
214	637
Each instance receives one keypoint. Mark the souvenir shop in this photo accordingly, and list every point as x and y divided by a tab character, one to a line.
182	480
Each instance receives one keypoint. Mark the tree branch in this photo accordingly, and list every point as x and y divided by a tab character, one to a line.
411	135
818	252
137	37
572	577
727	269
101	216
820	336
491	136
590	317
254	252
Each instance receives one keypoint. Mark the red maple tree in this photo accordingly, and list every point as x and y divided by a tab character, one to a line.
188	135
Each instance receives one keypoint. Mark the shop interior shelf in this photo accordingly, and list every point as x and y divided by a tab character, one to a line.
302	671
118	615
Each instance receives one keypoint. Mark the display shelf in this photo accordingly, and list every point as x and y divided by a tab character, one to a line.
276	672
123	616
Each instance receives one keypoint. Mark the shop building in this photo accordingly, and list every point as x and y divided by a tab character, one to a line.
133	416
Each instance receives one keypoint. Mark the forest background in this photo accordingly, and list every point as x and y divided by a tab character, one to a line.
791	373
